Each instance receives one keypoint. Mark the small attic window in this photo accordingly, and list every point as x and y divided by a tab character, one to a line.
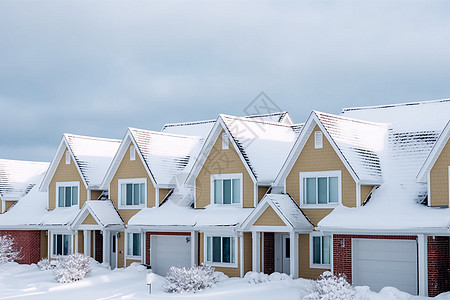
318	140
225	142
67	158
132	153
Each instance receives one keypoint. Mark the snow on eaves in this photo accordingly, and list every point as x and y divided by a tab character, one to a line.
290	210
360	142
104	211
93	156
264	145
167	155
17	177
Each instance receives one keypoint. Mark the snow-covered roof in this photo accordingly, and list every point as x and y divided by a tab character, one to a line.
18	177
27	212
222	215
103	211
166	155
93	156
395	205
60	216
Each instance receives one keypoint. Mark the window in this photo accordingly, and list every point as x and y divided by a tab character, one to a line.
320	188
67	157
221	249
225	142
226	188
318	140
133	244
62	244
67	193
132	153
320	250
132	192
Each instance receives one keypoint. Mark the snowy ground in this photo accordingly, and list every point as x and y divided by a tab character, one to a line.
28	282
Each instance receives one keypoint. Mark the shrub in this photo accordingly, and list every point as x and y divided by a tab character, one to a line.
330	287
44	264
8	251
193	279
71	268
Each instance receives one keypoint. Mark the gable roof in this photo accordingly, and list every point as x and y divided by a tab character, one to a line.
18	177
92	157
262	146
434	154
285	207
164	155
358	144
103	212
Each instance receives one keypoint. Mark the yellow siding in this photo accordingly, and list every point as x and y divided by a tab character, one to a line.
247	252
315	160
365	191
201	247
80	241
439	180
130	261
269	218
162	194
65	173
303	250
261	192
121	248
8	204
44	244
222	162
95	194
130	169
89	220
315	215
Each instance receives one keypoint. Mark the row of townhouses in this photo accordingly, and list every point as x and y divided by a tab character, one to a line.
364	193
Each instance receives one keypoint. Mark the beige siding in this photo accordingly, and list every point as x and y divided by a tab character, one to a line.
162	194
262	190
269	218
130	261
201	247
8	204
439	181
247	252
65	173
80	241
121	248
315	160
222	162
315	215
44	244
95	194
303	250
89	220
129	169
365	191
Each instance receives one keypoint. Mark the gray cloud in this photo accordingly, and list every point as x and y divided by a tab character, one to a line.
96	67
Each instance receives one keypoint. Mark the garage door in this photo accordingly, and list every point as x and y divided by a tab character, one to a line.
167	251
380	263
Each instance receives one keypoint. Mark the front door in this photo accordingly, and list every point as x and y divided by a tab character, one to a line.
113	257
286	254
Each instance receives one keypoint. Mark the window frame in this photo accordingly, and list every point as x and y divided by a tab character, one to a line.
127	240
71	244
230	176
221	264
120	182
65	185
321	174
311	250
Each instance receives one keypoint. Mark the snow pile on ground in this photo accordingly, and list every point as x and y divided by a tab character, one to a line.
257	278
28	282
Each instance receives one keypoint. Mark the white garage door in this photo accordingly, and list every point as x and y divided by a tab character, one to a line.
380	263
167	251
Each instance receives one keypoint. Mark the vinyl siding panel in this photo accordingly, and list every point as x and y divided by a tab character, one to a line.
365	191
89	220
247	252
439	181
44	244
269	218
262	190
303	249
162	194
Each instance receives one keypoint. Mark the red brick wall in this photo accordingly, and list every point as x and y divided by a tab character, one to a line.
147	241
342	250
98	255
438	265
269	252
29	242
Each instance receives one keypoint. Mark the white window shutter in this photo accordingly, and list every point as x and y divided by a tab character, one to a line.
225	142
318	140
132	153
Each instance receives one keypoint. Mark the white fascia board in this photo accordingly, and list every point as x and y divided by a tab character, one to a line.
149	172
114	165
165	228
43	187
412	231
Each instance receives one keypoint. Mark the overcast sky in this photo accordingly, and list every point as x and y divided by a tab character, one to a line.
98	67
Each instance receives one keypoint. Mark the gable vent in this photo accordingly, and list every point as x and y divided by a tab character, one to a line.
225	142
318	140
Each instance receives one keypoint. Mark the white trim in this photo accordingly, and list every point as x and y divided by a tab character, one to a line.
311	250
293	259
106	241
71	242
230	176
156	197
241	259
256	251
133	257
67	184
86	242
358	195
334	173
255	195
221	264
423	264
194	252
429	188
132	181
3	206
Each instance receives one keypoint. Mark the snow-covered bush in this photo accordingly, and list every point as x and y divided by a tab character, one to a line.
44	264
256	277
71	268
8	251
193	279
330	287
